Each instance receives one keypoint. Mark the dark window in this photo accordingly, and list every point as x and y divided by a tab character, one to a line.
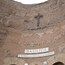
12	64
58	63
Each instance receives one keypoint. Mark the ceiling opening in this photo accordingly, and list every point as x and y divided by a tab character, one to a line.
31	1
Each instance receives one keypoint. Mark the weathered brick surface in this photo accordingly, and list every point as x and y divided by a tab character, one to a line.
19	31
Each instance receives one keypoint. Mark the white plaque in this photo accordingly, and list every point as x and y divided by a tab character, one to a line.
36	55
36	50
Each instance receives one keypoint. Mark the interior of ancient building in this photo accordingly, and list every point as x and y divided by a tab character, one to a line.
32	34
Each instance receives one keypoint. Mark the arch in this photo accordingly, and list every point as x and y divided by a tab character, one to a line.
31	1
56	58
58	63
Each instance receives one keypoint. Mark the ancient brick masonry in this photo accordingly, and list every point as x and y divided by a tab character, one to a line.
6	10
3	34
33	27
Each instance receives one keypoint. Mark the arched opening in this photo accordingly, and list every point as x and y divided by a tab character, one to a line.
58	63
31	1
12	64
